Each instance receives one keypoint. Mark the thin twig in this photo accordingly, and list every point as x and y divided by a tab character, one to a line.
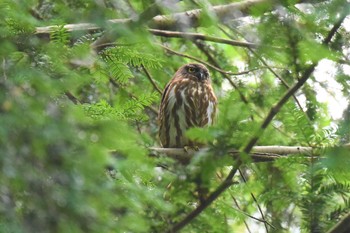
240	210
207	63
251	216
148	75
212	197
281	79
274	73
72	98
284	82
261	59
213	60
256	201
197	36
110	44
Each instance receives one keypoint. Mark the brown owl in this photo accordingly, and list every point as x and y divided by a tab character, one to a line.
188	101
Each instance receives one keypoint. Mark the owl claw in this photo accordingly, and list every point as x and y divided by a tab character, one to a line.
187	148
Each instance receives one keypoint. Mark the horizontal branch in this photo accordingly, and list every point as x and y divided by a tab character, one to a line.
181	20
192	18
258	153
79	26
197	36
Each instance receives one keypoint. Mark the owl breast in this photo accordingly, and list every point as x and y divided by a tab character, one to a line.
185	104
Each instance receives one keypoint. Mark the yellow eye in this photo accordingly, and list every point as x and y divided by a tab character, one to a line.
191	69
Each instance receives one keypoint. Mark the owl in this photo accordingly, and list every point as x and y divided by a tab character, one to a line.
188	101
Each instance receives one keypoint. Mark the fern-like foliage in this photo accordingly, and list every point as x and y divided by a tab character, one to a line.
118	59
300	124
119	71
131	110
339	211
102	110
321	191
60	35
312	204
318	200
134	56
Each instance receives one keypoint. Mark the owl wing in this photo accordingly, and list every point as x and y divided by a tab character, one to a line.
208	107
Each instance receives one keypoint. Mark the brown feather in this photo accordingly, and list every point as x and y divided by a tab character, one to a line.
188	101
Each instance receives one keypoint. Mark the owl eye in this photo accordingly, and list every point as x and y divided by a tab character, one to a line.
191	69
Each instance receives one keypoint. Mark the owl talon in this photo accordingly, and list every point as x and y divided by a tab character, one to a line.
188	148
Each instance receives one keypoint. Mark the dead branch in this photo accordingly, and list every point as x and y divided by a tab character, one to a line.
186	19
180	20
222	13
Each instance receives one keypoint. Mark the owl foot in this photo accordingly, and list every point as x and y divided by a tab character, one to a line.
188	148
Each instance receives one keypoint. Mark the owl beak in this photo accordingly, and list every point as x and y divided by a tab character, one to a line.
201	75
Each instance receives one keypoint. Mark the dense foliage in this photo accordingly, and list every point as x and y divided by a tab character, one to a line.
78	114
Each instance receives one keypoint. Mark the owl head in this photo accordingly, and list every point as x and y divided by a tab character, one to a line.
195	71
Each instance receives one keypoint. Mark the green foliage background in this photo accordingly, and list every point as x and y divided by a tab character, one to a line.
75	123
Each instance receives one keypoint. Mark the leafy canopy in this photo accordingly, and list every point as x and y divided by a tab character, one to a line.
78	110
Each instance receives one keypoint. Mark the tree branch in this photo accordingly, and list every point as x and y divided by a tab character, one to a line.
276	150
197	36
72	98
256	202
212	197
258	153
181	20
272	71
343	226
148	75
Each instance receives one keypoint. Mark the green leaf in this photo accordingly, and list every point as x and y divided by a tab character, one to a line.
312	51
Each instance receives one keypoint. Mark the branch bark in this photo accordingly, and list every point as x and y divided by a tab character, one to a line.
258	153
341	227
197	36
181	20
149	77
192	18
